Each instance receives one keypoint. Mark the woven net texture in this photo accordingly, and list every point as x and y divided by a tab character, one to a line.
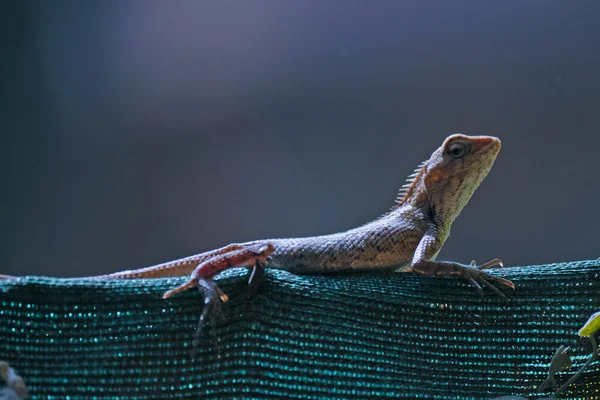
357	336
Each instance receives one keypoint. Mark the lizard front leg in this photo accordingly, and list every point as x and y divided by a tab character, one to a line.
423	263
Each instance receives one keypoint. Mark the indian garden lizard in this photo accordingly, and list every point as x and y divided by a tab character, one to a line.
407	238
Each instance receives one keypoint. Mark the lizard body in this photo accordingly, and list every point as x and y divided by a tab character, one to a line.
407	238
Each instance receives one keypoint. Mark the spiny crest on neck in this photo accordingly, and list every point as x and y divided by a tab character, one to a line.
408	188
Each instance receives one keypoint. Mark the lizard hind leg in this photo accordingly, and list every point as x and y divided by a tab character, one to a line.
253	255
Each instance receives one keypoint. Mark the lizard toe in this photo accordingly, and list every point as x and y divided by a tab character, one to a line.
474	275
477	286
489	264
501	281
484	281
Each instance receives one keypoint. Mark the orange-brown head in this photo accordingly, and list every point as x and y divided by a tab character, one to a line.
448	179
470	157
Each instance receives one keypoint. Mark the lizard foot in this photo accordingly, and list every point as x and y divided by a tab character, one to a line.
474	274
471	273
213	298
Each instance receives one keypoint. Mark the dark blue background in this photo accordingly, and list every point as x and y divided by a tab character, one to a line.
136	132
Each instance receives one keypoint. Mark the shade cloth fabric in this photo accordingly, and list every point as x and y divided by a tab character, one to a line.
356	336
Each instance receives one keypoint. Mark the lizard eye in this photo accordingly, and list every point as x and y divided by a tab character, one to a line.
458	150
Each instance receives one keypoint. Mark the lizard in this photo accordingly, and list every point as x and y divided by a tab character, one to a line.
406	238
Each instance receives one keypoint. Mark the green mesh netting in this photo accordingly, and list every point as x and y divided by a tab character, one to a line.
361	336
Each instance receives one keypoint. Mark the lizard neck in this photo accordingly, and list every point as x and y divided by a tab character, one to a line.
441	205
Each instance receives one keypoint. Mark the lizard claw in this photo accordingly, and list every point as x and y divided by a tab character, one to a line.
483	281
474	283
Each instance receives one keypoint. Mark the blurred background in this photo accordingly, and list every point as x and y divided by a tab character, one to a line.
136	132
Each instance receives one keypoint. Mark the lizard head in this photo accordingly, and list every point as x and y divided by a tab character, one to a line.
456	169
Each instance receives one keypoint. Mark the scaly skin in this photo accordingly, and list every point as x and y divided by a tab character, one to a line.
408	238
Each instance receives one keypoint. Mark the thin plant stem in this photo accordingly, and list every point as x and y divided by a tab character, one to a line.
582	369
